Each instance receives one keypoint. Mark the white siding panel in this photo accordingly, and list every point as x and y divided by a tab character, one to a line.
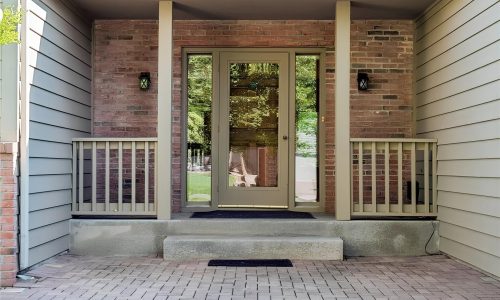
473	203
461	84
46	217
454	21
470	168
48	233
44	149
471	150
71	14
47	250
489	263
57	86
52	34
476	114
48	166
56	102
50	17
461	67
457	36
431	12
489	187
57	70
480	241
475	132
47	183
60	109
438	16
51	50
481	223
49	199
467	47
52	117
9	82
54	134
476	96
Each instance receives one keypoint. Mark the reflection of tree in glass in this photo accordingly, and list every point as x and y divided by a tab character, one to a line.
306	109
199	89
254	94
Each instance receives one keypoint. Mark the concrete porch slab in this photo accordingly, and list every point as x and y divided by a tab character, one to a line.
361	237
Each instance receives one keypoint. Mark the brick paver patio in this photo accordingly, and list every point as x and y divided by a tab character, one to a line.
430	277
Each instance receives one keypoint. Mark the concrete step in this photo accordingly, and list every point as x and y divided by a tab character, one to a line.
186	247
252	227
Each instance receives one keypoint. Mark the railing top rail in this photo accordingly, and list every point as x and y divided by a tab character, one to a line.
115	139
393	140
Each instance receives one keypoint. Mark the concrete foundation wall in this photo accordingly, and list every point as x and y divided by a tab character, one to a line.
145	237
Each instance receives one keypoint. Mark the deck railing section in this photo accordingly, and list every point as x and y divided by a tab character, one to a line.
393	177
115	176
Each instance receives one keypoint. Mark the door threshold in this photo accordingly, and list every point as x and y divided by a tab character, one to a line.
254	206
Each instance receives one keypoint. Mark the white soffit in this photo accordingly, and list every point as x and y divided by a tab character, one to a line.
253	9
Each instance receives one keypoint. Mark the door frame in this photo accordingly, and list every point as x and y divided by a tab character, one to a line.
318	206
241	197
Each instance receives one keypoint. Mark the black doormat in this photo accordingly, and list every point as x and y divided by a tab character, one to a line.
246	214
285	263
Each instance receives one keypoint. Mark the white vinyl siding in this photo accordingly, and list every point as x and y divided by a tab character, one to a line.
59	78
457	46
9	80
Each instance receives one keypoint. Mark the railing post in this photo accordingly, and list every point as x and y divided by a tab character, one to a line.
164	109
342	119
74	177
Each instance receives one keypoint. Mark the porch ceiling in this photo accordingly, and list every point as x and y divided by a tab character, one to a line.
253	10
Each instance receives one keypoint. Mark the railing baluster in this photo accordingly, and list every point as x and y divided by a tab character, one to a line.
413	179
426	178
352	176
94	176
106	184
146	176
386	173
400	177
89	165
407	165
360	175
133	175
80	176
374	178
156	179
434	178
120	176
74	178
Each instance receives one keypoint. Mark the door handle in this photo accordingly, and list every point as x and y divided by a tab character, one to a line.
285	137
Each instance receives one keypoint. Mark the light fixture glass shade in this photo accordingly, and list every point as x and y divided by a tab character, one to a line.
144	81
362	81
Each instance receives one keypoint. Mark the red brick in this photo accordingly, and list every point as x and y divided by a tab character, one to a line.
8	213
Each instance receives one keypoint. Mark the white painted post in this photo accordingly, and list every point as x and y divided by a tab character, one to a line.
164	110
342	118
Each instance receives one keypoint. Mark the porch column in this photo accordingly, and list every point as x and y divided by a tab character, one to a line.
164	171
342	117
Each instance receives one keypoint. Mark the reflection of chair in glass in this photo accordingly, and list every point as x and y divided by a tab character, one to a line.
238	169
250	179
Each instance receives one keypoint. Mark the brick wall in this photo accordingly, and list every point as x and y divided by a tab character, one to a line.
384	50
8	214
123	49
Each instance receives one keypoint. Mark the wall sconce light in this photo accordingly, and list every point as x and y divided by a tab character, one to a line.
362	81
145	81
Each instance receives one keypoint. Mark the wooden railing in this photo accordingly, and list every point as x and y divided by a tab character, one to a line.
393	177
115	176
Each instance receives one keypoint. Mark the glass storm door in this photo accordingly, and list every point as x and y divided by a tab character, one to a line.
253	151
